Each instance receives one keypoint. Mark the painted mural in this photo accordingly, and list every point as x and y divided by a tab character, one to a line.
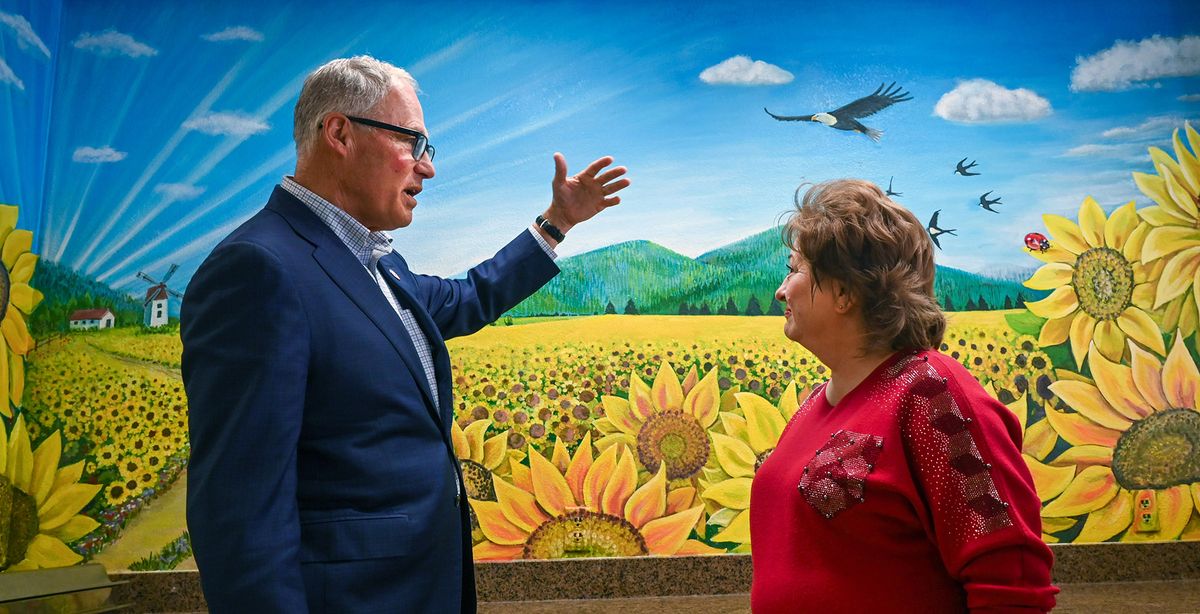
624	408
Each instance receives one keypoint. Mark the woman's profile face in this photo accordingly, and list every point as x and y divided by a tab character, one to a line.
807	307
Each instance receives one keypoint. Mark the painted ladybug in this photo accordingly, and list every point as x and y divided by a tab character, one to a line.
1036	241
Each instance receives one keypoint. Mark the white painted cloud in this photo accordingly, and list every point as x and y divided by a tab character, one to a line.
1189	98
741	70
1150	128
111	42
179	191
1095	150
979	101
227	124
1126	64
234	33
26	37
97	155
8	76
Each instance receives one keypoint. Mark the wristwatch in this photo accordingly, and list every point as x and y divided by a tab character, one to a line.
550	229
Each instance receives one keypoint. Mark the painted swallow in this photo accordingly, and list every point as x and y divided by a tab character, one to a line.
987	203
962	170
934	231
889	190
843	118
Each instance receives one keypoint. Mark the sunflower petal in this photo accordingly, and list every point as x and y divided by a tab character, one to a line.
22	270
25	298
667	392
1188	164
733	493
1040	439
8	217
4	434
16	243
16	378
737	531
1115	383
666	535
64	503
704	400
1083	330
620	413
1177	277
1167	240
494	450
549	485
74	528
1091	490
1143	296
597	477
519	506
1092	222
1174	509
1132	249
1181	196
1161	216
1059	304
641	401
1083	456
1066	234
1078	430
487	551
1090	403
496	527
764	424
474	436
16	332
649	501
789	402
1050	481
734	455
1109	520
67	475
735	425
621	485
1147	377
1120	226
521	476
1181	379
1054	254
20	456
693	548
45	465
689	381
578	469
46	552
1050	276
1109	340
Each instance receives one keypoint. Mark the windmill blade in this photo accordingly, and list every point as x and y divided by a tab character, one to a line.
170	272
174	293
146	278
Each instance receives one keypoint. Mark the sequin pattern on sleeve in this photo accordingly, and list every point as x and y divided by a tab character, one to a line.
955	475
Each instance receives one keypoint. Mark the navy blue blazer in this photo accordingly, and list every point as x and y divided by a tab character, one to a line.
321	477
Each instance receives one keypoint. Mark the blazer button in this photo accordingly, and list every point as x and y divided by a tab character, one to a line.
457	500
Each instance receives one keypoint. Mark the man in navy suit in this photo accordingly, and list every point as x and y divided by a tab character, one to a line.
322	476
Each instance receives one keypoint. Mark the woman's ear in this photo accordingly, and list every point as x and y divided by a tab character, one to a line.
843	301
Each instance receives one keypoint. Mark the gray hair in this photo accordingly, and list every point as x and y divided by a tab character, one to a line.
346	85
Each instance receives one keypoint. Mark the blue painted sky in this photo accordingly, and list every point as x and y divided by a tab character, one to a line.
169	123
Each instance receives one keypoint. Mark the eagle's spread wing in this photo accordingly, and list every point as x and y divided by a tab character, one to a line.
880	99
790	118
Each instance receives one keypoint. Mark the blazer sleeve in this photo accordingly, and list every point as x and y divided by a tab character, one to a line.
245	352
463	306
964	447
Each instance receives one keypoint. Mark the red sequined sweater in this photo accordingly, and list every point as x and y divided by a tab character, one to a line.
909	495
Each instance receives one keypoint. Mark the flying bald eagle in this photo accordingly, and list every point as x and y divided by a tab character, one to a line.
843	118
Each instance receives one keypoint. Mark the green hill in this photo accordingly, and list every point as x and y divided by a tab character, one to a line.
660	281
65	291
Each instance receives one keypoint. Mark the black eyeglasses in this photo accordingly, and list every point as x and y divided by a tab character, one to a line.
420	141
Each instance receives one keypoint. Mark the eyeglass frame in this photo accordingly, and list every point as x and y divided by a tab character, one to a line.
422	141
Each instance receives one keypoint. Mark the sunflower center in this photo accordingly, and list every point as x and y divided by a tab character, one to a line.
583	533
1160	451
18	523
5	290
673	438
477	480
1103	280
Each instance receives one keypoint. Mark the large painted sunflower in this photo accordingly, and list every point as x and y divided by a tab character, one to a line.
17	300
594	508
666	424
40	502
1136	435
1102	291
1175	231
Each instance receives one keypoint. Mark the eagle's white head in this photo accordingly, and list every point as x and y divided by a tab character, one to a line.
825	118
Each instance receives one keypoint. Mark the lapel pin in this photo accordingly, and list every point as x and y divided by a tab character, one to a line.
394	274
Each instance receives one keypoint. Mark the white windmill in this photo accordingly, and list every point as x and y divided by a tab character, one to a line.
157	296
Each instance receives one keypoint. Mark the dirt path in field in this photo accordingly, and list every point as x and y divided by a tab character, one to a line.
137	362
159	523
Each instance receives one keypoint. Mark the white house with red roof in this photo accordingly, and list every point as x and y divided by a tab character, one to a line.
91	319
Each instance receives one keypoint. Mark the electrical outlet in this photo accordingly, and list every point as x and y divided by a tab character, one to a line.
1145	512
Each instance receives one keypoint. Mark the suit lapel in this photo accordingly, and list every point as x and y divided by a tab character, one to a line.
354	280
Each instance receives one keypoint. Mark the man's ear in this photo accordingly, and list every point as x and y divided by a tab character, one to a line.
335	133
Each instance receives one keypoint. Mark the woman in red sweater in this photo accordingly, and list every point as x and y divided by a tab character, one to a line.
899	485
